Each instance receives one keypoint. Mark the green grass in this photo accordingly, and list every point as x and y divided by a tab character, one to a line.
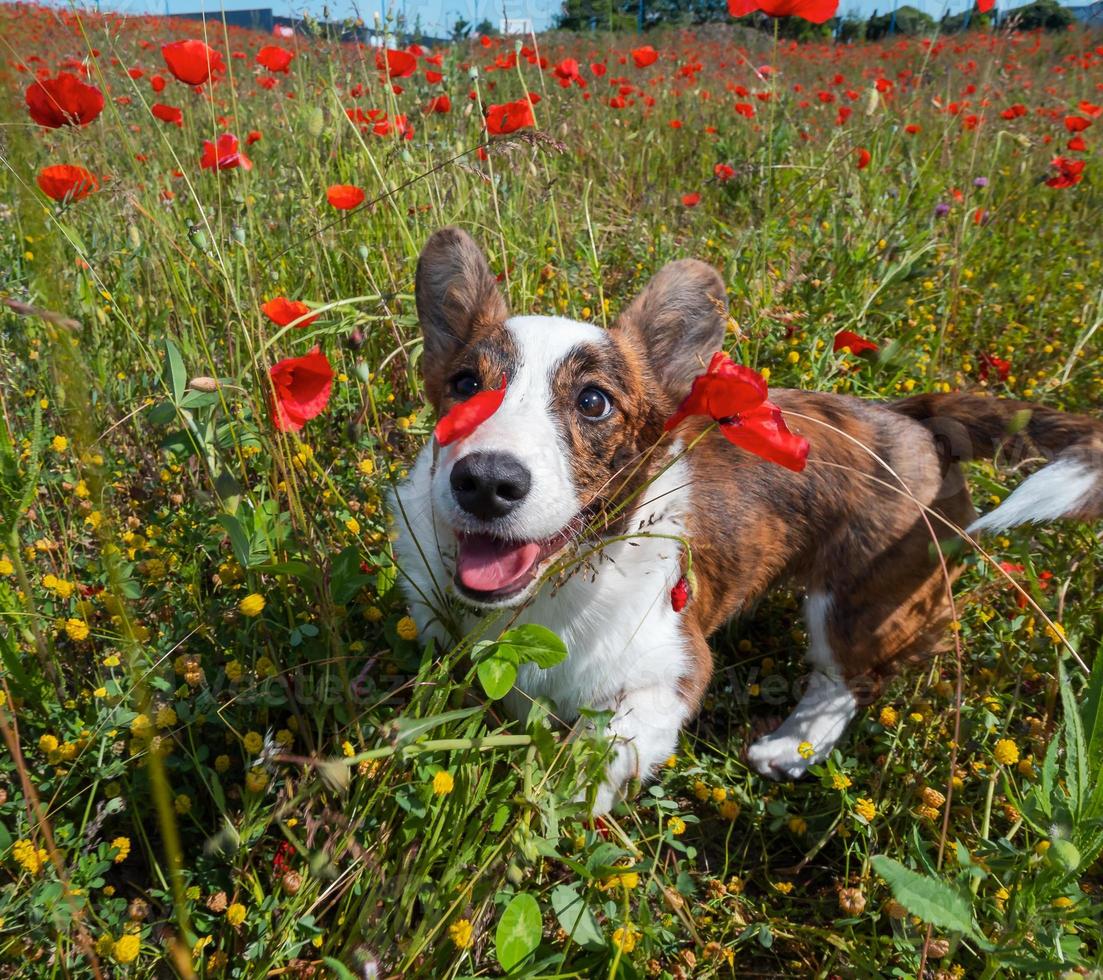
276	777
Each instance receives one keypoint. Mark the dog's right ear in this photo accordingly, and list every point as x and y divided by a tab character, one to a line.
457	298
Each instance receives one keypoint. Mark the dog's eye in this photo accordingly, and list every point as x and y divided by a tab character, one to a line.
594	404
465	385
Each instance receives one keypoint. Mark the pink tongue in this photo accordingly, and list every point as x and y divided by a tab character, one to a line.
486	564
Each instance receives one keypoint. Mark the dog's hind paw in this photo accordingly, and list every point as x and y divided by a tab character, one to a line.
779	757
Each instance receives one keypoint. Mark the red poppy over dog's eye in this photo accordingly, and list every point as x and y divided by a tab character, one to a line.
850	341
736	398
466	416
63	101
275	58
66	182
285	311
192	62
344	197
300	390
508	118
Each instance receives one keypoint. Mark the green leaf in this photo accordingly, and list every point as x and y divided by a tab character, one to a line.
339	969
406	730
1076	751
238	540
576	918
518	932
532	644
161	414
932	900
497	676
176	376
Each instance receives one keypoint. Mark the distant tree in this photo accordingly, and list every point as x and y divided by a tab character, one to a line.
485	28
604	15
852	28
909	20
460	30
1046	14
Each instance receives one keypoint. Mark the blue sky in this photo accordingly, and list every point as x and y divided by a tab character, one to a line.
438	16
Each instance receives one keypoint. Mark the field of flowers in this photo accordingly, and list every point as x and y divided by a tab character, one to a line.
225	752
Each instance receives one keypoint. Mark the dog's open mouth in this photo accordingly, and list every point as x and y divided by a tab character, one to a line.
491	569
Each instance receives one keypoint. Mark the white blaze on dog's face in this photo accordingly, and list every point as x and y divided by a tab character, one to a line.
581	404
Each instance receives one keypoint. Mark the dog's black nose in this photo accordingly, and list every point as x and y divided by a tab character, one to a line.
489	485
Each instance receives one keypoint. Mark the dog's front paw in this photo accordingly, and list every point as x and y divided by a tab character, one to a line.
778	756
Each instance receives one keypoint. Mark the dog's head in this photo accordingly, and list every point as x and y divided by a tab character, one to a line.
583	405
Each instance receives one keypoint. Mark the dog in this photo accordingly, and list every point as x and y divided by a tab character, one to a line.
570	508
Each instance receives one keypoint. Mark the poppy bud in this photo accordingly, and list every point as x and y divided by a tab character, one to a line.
198	237
134	237
362	251
238	234
852	901
203	383
355	339
292	882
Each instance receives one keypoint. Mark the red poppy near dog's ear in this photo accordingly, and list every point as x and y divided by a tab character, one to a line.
63	101
645	56
168	113
735	397
192	62
275	58
508	118
397	64
814	11
850	341
300	390
66	182
679	595
864	156
284	311
226	154
344	197
465	417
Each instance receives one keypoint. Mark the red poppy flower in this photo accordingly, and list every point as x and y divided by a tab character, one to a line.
724	172
465	417
815	11
300	390
1077	144
691	200
63	101
284	311
508	118
985	5
1069	172
848	340
679	595
397	64
192	62
736	398
168	113
344	196
567	71
158	83
275	58
645	56
1076	124
66	182
226	154
864	156
989	363
253	137
440	104
911	129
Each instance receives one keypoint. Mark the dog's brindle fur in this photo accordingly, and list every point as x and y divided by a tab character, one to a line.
855	529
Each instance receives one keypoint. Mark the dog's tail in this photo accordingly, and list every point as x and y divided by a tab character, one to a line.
968	427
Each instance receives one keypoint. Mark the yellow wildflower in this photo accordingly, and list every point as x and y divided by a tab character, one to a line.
6	567
676	826
406	628
76	629
805	750
47	744
840	781
625	938
443	783
235	914
1006	752
59	444
252	604
30	858
730	810
256	780
460	931
865	809
253	742
126	948
888	716
122	846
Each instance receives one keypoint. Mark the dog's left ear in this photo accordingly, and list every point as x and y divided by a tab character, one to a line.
678	321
